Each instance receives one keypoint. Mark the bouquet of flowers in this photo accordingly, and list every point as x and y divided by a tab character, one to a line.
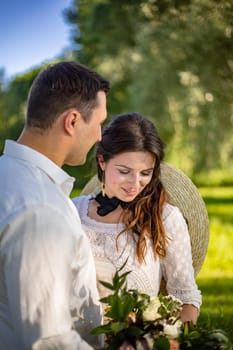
151	323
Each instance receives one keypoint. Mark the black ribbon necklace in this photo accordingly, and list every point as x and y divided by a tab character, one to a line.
107	205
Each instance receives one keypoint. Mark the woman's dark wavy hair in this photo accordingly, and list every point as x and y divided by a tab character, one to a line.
132	132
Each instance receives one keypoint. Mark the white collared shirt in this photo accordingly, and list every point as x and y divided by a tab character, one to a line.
47	272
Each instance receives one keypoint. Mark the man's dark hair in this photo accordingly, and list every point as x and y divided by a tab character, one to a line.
61	86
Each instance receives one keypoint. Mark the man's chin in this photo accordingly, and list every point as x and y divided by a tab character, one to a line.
77	162
81	162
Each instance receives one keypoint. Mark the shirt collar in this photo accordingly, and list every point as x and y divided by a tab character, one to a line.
37	159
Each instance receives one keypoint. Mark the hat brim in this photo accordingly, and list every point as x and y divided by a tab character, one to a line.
183	194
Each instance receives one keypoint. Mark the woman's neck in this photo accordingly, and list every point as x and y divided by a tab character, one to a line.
114	217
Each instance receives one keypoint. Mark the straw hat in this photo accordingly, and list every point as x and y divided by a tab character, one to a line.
183	194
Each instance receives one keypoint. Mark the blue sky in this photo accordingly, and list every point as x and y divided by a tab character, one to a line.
31	32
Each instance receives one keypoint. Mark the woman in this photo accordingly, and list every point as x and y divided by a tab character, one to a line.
132	219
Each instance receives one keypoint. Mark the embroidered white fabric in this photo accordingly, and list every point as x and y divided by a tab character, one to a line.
176	268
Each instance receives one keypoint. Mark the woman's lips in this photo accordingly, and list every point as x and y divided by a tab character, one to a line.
130	193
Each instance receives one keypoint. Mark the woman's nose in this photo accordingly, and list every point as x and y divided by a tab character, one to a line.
135	179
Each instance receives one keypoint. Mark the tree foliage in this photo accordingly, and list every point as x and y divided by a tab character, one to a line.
171	60
13	98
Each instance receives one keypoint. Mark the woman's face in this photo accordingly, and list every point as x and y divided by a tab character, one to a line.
127	174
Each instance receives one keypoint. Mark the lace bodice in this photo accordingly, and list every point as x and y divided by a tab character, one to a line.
176	267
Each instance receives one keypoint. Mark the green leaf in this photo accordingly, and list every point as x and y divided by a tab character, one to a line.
102	329
117	327
162	343
107	285
134	331
117	310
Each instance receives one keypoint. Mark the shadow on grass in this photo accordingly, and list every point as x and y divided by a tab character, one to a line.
217	200
219	207
224	217
217	304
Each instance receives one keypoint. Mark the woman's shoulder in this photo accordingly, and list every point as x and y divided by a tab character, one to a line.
82	199
174	221
170	212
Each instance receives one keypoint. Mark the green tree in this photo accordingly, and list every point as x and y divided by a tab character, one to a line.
14	105
104	35
170	60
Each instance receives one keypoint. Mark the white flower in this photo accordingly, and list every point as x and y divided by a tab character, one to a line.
149	342
151	312
172	297
172	330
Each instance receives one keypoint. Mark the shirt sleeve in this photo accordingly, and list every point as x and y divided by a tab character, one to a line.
177	266
39	250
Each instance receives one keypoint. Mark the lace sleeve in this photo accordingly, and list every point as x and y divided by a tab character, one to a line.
177	266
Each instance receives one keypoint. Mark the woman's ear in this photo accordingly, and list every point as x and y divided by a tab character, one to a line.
71	121
101	162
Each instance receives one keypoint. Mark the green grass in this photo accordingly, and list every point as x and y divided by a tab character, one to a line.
216	276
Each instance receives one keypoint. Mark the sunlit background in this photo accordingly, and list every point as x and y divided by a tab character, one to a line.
31	32
171	61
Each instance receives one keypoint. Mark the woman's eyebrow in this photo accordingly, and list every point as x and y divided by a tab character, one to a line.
123	166
128	168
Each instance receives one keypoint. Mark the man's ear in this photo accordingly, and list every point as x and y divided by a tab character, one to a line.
71	120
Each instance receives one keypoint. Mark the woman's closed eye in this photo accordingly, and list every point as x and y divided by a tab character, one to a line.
146	173
143	173
124	172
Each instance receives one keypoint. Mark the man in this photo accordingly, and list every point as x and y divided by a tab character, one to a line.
48	295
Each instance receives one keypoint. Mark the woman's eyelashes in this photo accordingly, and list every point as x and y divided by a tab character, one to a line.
143	173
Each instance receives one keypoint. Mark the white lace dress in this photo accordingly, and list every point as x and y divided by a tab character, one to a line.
176	268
